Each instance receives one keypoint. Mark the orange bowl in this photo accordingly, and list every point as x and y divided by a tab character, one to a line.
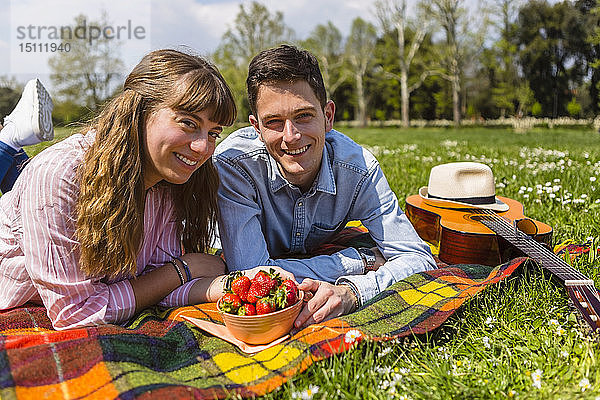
264	328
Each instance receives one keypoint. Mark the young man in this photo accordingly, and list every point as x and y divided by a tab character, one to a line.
290	183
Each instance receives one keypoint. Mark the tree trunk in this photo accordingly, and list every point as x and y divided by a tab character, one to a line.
456	100
362	107
405	97
455	91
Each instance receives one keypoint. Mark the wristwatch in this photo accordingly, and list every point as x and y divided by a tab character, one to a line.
368	257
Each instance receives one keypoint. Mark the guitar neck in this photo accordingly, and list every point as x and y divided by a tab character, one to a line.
566	274
580	288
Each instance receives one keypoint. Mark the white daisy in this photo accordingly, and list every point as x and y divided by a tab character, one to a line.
584	384
352	336
306	394
486	342
537	378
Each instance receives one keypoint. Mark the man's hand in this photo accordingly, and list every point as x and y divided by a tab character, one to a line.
326	301
379	258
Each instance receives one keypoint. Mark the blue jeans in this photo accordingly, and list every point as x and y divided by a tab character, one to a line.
11	165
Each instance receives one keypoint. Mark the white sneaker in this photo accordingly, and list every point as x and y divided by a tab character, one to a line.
32	117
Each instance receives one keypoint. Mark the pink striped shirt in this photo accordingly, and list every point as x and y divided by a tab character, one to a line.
39	256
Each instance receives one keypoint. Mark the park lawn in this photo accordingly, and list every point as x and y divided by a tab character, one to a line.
59	134
518	339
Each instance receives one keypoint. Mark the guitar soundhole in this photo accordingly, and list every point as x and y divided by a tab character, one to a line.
527	226
479	217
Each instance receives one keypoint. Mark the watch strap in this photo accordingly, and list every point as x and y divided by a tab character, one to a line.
368	257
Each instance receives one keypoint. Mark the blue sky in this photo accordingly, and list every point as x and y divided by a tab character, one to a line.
198	24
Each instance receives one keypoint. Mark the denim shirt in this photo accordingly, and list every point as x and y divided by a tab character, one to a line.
263	216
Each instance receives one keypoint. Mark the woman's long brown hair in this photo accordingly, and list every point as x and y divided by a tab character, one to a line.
110	208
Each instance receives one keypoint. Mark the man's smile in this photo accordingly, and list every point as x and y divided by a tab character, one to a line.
296	151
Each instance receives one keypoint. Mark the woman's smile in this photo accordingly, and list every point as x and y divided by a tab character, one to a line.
186	160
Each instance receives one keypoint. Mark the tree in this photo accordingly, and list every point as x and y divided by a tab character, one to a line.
462	41
525	98
10	93
574	108
591	9
392	17
255	29
536	109
481	84
359	53
87	74
448	14
551	39
326	43
504	54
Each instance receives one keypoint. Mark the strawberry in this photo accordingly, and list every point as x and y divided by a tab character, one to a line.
257	290
263	284
230	303
265	306
291	286
247	309
241	286
266	279
286	294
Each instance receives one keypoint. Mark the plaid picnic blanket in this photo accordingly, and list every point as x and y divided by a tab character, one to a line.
161	355
572	250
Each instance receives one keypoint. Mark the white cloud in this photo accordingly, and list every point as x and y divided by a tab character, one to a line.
189	23
199	24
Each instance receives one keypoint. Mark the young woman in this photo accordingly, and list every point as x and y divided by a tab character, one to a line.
94	226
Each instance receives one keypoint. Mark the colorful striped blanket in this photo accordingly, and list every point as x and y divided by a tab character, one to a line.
159	354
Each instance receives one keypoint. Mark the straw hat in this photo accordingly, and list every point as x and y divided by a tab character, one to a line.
462	185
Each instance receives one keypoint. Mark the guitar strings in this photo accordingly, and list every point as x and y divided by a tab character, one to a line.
591	295
522	237
588	308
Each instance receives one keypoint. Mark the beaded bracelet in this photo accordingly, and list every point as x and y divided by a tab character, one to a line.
178	271
188	274
355	292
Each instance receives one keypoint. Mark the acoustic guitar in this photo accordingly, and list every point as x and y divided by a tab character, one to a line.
480	236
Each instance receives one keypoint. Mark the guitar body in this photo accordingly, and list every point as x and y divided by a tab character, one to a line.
476	236
463	239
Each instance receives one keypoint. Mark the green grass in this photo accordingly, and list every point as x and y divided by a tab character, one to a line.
59	134
472	357
513	331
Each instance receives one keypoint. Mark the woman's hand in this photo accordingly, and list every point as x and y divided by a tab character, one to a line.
211	288
203	265
153	286
282	272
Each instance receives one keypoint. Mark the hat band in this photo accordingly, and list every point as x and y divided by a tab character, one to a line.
469	200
